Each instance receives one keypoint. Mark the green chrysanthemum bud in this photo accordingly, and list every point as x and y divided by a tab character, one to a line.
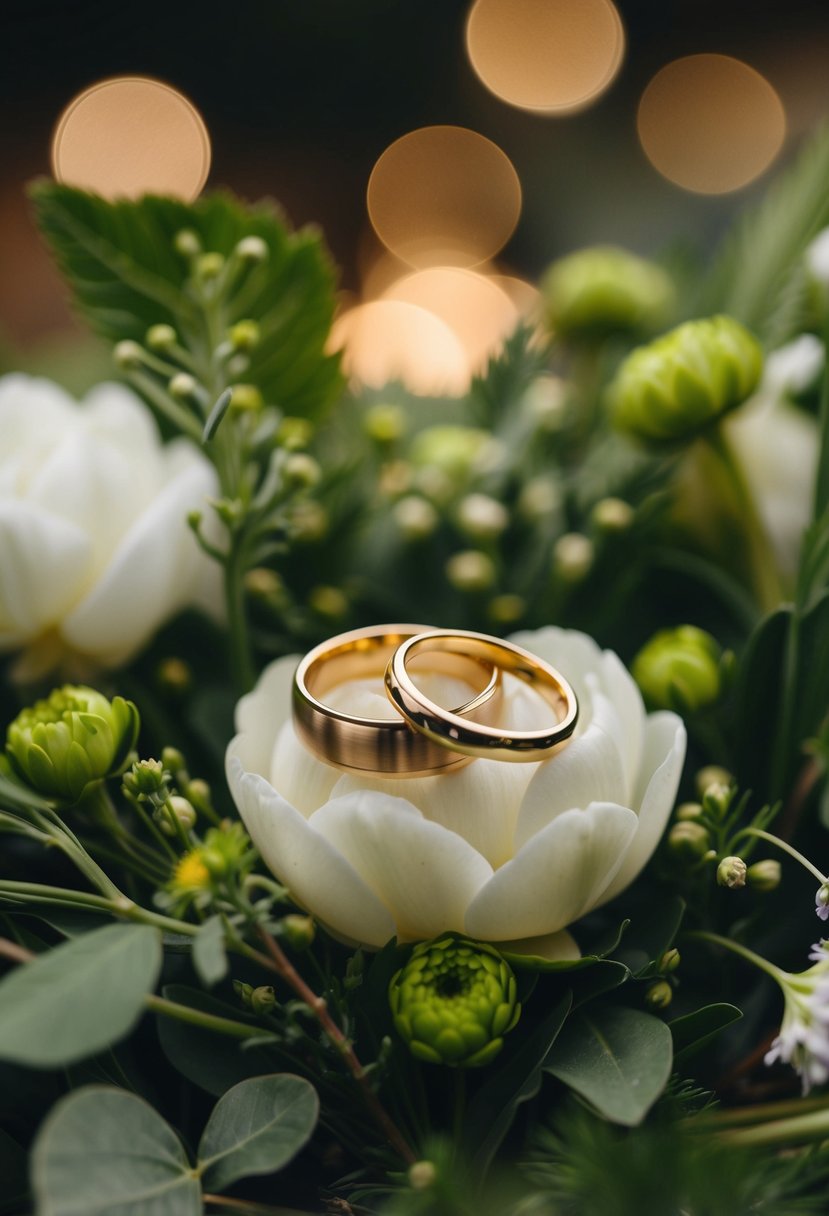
679	669
72	738
600	291
731	873
672	388
764	875
454	1001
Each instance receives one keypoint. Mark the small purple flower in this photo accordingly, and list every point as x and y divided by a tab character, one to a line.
822	901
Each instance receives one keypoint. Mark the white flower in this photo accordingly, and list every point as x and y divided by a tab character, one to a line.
817	258
95	552
803	1041
508	853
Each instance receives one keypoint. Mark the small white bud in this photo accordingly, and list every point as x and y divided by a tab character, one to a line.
183	385
128	355
482	517
252	249
573	556
470	570
415	517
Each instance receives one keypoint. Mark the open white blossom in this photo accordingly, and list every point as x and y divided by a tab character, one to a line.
803	1041
507	853
95	552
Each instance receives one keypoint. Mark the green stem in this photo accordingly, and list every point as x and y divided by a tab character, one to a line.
742	1116
240	648
181	418
196	1017
787	848
797	1130
743	951
121	907
822	478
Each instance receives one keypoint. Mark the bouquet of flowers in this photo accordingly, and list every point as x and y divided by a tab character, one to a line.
524	925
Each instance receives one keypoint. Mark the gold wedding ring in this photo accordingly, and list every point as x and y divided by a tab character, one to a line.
384	747
467	738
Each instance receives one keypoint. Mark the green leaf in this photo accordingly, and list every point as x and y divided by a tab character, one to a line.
618	1059
125	275
210	1060
256	1128
515	1079
80	997
759	276
695	1030
104	1152
653	927
209	957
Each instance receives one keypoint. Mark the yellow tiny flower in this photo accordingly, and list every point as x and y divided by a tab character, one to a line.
191	873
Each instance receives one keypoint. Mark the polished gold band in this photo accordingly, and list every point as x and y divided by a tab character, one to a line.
449	730
384	747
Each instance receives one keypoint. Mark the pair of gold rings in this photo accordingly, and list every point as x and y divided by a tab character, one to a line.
426	739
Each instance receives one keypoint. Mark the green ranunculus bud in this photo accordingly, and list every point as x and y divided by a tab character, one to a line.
604	290
72	738
679	669
454	1001
672	388
731	873
764	875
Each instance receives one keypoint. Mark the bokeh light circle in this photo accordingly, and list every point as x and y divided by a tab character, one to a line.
443	196
132	135
710	123
550	56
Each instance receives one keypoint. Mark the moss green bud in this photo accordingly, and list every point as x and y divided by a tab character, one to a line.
262	999
679	669
183	810
659	995
385	423
294	434
689	810
187	243
454	450
717	799
539	499
246	399
298	931
482	517
174	675
604	290
415	517
252	249
264	584
128	356
674	387
454	1001
712	774
669	961
470	570
209	265
612	515
506	609
198	792
72	738
244	335
764	875
422	1176
147	777
302	471
688	840
161	337
573	556
173	760
243	991
731	873
329	602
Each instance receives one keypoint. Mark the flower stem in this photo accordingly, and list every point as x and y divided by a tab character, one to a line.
743	1116
822	478
121	906
196	1017
787	848
743	951
800	1128
240	650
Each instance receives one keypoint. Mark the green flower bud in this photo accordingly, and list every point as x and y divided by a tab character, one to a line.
209	265
243	991
295	433
612	515
659	995
198	793
689	810
454	1001
302	471
128	356
731	873
672	388
669	961
183	810
604	290
173	760
263	999
679	669
182	386
244	335
298	931
385	423
688	840
187	243
573	556
470	570
764	875
717	799
147	777
422	1175
454	450
545	403
263	584
309	521
72	738
539	499
329	602
415	517
161	337
482	517
506	609
252	249
246	399
712	774
226	850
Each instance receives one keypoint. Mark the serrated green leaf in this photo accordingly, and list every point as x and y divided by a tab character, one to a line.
80	997
618	1059
759	276
256	1128
104	1152
209	957
125	275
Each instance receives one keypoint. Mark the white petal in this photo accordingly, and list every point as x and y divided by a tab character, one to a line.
552	947
114	413
556	877
317	876
588	770
45	562
572	653
622	692
261	713
479	802
424	874
298	775
150	576
662	760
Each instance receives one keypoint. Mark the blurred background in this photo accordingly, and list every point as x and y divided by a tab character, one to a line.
302	99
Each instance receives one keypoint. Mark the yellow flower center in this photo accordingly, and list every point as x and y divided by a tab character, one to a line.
191	872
